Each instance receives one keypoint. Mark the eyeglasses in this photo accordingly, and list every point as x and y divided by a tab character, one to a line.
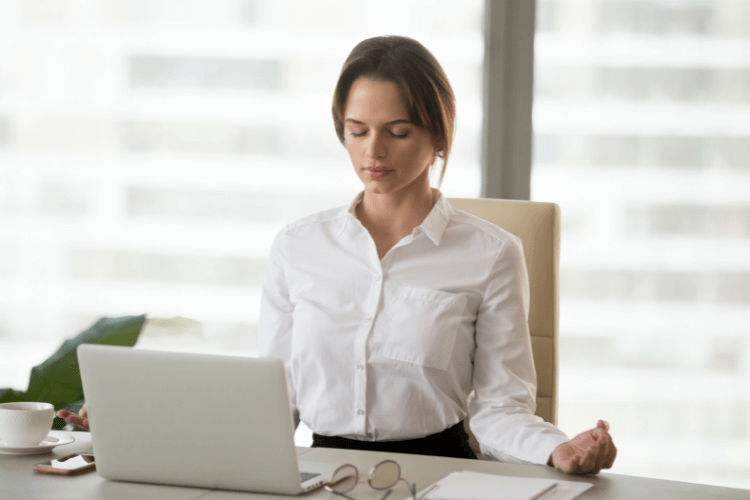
383	476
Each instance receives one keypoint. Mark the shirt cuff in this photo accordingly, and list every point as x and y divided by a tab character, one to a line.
540	456
547	447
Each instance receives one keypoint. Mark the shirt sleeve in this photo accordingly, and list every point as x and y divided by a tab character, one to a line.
275	324
502	411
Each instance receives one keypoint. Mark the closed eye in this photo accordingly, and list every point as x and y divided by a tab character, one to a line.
394	135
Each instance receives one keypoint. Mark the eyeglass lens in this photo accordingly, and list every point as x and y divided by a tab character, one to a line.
384	475
344	479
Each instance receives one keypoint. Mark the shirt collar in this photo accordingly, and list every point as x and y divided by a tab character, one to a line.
433	225
437	220
357	201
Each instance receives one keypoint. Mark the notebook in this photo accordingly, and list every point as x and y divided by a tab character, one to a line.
208	421
470	485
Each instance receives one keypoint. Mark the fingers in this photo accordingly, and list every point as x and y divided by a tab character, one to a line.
595	451
587	453
77	420
609	462
584	440
610	450
84	412
601	455
607	459
589	458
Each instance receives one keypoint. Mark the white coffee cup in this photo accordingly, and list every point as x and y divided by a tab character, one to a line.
25	424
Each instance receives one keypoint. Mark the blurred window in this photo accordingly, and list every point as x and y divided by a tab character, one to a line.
151	149
642	135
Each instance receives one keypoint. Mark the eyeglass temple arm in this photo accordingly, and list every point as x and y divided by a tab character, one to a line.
343	495
412	488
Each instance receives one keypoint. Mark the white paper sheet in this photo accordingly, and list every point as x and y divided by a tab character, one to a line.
469	485
476	486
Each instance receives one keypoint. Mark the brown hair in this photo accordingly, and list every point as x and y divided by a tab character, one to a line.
415	71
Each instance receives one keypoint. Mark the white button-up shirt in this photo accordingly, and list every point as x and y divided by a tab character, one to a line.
391	349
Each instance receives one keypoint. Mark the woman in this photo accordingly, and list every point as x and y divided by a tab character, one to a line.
390	312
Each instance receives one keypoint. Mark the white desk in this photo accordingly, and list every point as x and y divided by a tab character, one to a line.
19	482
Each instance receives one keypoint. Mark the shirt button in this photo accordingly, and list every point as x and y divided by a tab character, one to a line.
360	412
377	278
360	367
368	318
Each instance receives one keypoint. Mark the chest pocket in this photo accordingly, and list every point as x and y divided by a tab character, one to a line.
423	326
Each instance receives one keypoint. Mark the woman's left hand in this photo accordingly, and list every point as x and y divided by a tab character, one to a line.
587	453
81	420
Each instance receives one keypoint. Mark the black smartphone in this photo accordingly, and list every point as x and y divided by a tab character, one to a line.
69	465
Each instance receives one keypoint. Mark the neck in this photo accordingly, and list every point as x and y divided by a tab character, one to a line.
396	213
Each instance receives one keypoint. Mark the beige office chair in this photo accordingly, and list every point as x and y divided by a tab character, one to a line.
538	227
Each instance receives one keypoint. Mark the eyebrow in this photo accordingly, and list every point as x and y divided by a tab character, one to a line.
394	122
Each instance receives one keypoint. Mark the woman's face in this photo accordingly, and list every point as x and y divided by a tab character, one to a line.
389	153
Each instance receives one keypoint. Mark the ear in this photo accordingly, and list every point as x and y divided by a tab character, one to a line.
437	151
435	155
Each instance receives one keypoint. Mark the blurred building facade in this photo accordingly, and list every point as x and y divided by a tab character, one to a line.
151	149
642	135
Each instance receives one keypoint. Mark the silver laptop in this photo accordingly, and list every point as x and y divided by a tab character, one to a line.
219	422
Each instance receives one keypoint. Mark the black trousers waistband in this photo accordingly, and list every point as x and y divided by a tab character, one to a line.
452	442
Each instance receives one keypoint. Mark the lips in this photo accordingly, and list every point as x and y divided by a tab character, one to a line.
378	172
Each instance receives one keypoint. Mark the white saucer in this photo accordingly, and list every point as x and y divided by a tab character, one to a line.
52	440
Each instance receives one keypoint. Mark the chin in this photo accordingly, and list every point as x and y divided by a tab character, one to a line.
381	187
377	185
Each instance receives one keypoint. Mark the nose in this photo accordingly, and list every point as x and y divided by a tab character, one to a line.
376	146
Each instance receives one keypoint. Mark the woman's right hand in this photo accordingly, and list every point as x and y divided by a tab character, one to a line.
81	420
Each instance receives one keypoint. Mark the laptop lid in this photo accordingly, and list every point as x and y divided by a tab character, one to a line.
200	420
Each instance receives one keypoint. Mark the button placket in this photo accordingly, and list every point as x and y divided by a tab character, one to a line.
360	348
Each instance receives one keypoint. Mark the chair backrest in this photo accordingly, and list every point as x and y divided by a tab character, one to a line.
538	227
